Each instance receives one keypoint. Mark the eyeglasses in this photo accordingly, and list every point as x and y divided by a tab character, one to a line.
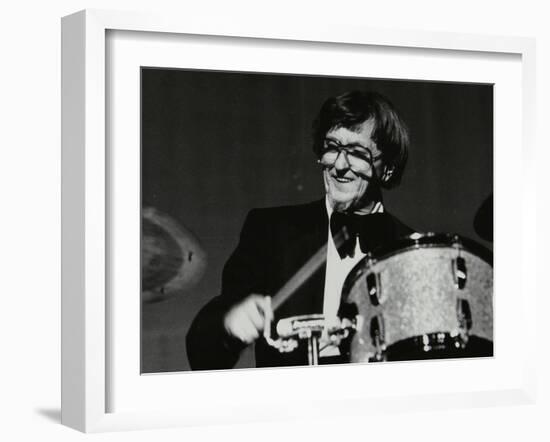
358	157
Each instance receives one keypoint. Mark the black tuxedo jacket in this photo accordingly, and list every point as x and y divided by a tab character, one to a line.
274	244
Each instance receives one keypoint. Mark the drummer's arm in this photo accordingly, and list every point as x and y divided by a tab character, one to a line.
209	346
210	341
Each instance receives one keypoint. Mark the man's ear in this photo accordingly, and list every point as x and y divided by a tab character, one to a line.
388	173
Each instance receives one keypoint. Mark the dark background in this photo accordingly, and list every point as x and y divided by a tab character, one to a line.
216	144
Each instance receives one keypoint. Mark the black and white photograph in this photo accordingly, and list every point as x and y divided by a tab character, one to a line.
275	221
294	220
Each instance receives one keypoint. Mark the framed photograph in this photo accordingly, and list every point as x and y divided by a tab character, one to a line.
218	182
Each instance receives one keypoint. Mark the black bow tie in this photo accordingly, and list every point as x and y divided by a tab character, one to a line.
372	231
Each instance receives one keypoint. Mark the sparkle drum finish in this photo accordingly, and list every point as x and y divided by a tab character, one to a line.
428	296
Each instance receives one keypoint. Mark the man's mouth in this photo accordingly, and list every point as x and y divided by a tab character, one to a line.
341	179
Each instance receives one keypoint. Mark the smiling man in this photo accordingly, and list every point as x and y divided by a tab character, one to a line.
351	161
361	145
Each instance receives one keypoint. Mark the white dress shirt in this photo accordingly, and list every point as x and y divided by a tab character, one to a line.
336	272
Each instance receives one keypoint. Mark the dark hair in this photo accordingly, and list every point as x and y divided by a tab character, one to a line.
352	109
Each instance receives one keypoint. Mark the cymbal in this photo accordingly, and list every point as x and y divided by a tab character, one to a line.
483	221
172	258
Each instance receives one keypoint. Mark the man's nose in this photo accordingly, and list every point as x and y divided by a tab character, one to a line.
341	162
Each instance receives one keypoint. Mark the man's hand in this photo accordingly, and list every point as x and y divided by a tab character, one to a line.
245	321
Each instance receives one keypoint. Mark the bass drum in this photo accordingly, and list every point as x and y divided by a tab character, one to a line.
428	296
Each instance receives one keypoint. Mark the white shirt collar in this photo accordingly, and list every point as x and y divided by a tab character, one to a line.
378	207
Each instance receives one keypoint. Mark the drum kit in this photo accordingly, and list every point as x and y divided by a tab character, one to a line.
426	296
172	258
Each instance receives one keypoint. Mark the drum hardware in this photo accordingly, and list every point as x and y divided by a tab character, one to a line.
378	338
428	342
373	288
306	327
310	328
373	281
370	259
438	341
460	274
464	317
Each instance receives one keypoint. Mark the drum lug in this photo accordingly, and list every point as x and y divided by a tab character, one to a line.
374	288
460	273
464	315
377	334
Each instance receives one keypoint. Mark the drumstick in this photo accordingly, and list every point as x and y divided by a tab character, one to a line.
305	272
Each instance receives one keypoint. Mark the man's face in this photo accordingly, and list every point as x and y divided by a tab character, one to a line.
348	163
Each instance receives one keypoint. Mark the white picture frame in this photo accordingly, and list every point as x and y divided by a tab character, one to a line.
86	206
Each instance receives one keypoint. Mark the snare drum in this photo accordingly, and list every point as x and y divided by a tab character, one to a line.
427	296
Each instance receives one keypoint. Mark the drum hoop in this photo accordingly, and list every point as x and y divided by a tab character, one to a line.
417	241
